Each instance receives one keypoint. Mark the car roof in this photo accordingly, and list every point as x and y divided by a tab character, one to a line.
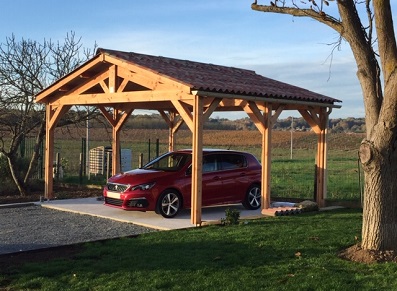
210	150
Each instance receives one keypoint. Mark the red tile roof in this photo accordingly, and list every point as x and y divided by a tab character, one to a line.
220	79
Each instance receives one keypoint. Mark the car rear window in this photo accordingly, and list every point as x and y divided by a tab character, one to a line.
233	161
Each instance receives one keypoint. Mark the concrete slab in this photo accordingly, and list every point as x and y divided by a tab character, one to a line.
210	215
92	206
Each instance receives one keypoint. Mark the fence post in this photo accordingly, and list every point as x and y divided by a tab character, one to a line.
108	163
149	151
57	165
22	147
84	154
81	169
140	161
157	148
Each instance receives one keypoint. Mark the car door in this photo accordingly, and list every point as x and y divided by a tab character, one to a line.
233	173
212	182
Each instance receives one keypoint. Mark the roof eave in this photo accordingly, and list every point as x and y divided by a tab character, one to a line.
266	99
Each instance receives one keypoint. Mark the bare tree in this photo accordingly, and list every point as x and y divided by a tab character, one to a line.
26	68
367	26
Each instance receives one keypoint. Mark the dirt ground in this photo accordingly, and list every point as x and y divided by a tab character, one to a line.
60	193
10	261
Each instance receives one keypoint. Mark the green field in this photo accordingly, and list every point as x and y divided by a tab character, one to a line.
292	170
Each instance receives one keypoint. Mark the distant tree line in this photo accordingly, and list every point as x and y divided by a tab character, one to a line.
338	125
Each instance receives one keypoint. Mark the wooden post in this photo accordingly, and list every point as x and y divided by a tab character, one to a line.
266	156
52	117
49	155
318	120
322	159
115	145
197	160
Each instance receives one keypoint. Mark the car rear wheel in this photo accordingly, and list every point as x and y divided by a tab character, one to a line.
169	203
253	197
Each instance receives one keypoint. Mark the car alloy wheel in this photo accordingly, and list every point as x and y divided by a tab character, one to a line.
169	204
253	197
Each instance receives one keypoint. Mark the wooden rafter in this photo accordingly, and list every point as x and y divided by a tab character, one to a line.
75	74
159	79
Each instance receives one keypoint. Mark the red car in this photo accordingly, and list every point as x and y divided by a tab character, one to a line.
164	184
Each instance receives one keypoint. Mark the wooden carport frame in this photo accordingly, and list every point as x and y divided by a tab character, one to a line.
117	86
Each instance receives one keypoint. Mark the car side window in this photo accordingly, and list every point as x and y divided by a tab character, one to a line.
233	161
210	163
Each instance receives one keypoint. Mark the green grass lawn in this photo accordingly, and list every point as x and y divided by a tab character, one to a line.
278	253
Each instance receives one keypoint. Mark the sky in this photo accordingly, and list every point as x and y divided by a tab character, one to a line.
293	50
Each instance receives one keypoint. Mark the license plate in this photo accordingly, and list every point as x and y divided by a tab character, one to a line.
113	195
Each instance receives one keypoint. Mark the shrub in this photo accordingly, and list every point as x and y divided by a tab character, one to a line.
232	217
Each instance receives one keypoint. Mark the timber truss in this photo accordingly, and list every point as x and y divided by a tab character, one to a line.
118	86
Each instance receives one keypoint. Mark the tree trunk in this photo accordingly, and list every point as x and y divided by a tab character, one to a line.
379	231
15	177
35	156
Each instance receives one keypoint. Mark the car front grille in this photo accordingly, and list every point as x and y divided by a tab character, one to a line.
113	201
116	187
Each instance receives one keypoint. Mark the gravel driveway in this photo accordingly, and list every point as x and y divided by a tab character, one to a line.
34	227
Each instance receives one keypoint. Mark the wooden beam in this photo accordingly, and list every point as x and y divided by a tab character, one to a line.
276	114
104	86
185	113
214	104
120	97
122	86
113	86
107	116
311	119
255	115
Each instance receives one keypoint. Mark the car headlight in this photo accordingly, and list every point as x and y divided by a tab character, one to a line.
146	186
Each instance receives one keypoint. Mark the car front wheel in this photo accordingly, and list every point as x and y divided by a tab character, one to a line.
169	204
253	197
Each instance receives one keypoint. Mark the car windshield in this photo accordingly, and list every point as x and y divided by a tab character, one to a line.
168	162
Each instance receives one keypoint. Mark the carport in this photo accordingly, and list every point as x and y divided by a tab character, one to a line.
183	91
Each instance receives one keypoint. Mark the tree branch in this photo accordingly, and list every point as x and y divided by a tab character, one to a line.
299	12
